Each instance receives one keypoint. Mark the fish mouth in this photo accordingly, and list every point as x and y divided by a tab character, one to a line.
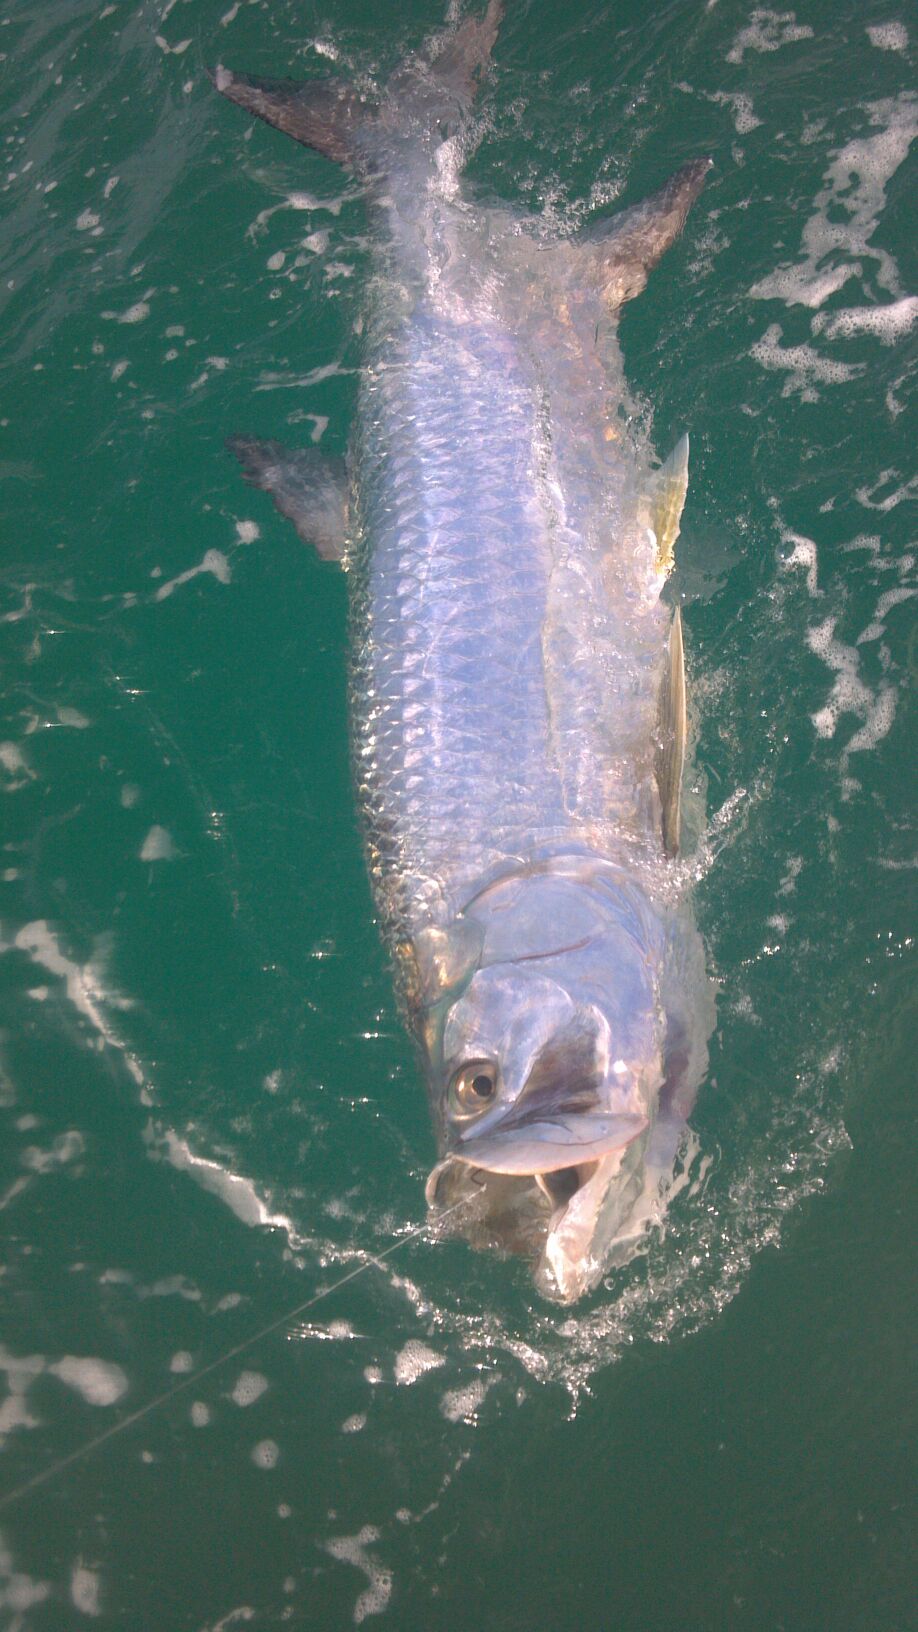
548	1195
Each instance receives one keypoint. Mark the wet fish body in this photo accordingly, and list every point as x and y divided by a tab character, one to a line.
517	692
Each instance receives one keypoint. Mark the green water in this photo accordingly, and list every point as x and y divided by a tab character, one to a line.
198	1026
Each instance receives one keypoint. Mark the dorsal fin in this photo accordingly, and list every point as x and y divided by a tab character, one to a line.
670	756
667	498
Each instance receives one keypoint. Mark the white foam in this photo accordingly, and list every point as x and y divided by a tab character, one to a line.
804	554
247	531
873	160
182	1361
877	626
353	1550
14	1413
878	724
266	1454
158	845
889	323
82	982
888	36
791	874
873	543
850	693
354	1424
214	562
249	1387
66	1147
804	365
73	718
865	494
270	381
335	1332
463	1404
199	1414
319	422
237	1192
17	768
294	201
85	1590
740	104
768	31
414	1360
171	1286
99	1382
18	1592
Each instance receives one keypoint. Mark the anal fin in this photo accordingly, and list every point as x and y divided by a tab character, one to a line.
667	498
670	756
308	488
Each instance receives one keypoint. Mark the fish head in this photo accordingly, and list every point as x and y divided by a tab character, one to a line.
545	1090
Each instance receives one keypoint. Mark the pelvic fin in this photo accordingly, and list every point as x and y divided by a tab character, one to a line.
667	499
308	488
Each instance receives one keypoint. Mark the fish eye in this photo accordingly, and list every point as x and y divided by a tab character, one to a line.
473	1086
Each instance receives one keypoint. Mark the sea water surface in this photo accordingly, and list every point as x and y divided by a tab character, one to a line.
210	1112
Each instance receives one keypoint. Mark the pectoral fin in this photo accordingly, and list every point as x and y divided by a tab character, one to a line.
627	248
670	757
667	498
308	488
446	957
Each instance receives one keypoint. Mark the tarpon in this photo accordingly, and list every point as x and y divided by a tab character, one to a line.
517	684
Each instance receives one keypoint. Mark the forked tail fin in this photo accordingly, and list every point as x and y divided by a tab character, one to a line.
427	94
325	114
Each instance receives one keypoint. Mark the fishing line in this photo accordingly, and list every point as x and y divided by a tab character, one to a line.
82	1451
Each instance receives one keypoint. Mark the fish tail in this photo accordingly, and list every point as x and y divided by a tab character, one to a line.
428	92
325	114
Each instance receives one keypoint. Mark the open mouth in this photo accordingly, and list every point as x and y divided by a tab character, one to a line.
500	1199
561	1185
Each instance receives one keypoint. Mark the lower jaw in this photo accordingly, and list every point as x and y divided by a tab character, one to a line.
549	1218
572	1261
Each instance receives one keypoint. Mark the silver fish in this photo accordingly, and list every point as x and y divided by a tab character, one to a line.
517	687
